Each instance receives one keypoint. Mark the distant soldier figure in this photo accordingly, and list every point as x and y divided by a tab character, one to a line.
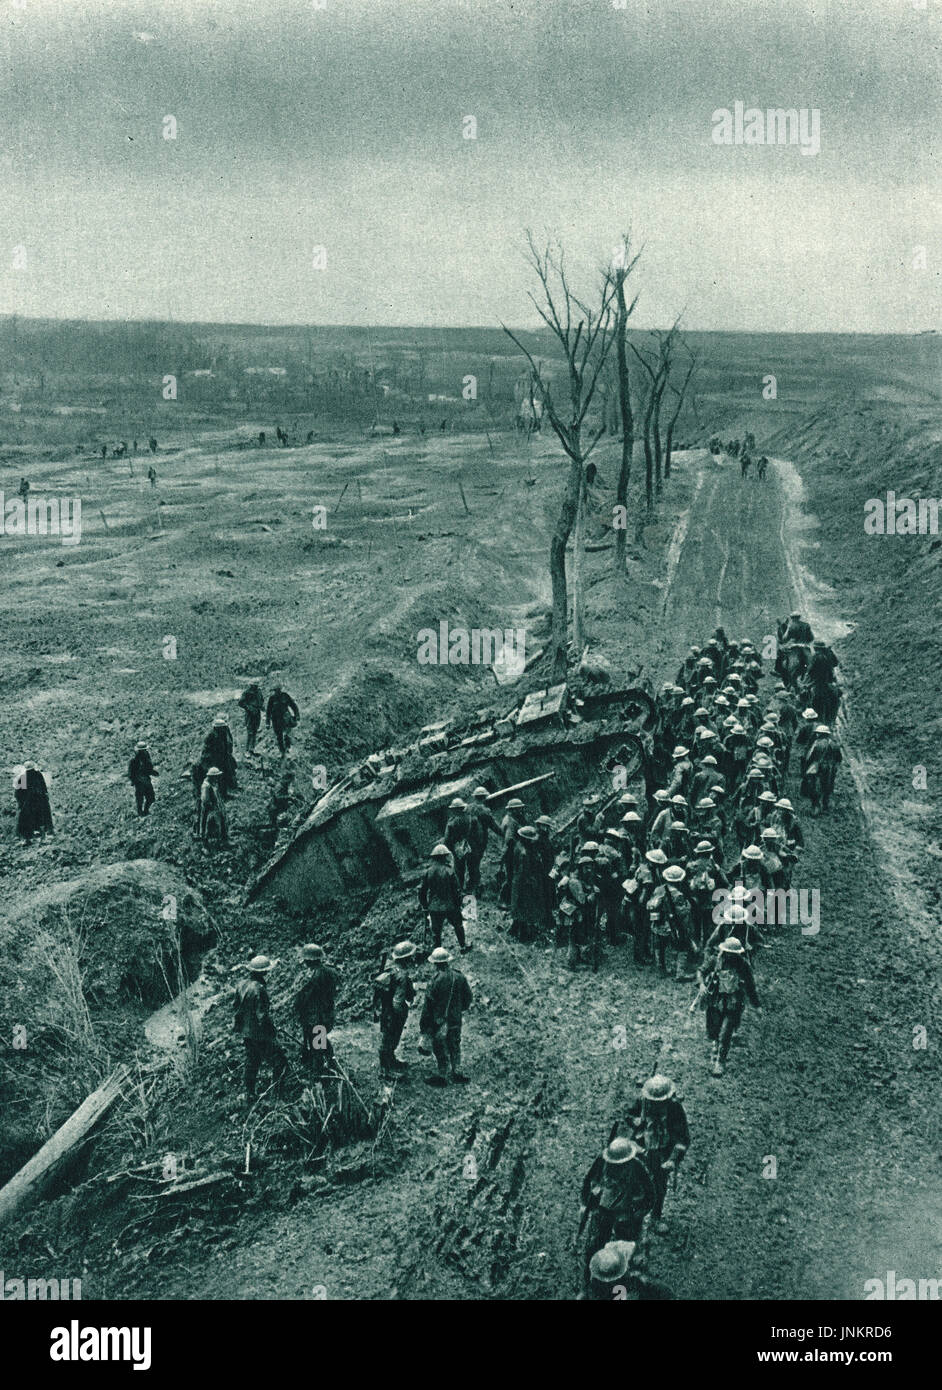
213	822
152	475
252	703
614	1276
309	438
152	444
526	894
674	925
761	467
745	463
511	823
256	1027
681	773
196	775
727	982
481	821
582	889
546	855
282	714
218	752
820	769
32	798
805	735
588	823
279	802
457	830
617	1194
396	429
314	1005
796	630
446	999
261	439
140	771
787	823
393	994
658	1122
440	896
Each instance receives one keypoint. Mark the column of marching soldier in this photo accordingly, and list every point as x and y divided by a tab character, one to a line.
648	870
645	869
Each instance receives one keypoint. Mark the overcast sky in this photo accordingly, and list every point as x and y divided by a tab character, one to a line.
343	127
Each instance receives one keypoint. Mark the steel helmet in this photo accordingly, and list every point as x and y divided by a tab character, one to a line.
658	1088
620	1151
612	1262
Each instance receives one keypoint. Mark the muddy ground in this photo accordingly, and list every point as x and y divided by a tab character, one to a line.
826	1079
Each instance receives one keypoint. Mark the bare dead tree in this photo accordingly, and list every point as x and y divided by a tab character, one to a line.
657	364
625	264
680	394
653	369
585	338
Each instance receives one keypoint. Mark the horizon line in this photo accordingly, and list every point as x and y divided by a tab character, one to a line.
457	327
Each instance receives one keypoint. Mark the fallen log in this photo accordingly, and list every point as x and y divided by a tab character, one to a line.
28	1184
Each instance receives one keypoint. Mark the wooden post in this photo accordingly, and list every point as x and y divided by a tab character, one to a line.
28	1184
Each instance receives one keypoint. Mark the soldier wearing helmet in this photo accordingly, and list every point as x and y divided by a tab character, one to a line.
255	1025
617	1194
218	752
481	821
447	998
393	995
527	892
456	837
440	896
514	814
314	1005
615	1276
820	768
658	1122
727	982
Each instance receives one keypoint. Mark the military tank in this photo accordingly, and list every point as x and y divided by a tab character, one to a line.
380	819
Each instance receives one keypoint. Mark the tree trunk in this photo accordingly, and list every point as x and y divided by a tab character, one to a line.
649	455
658	453
578	603
627	426
564	525
668	445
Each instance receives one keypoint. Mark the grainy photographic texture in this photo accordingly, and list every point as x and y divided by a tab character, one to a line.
470	555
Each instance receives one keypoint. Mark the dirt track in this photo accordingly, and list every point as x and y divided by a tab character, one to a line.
826	1079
